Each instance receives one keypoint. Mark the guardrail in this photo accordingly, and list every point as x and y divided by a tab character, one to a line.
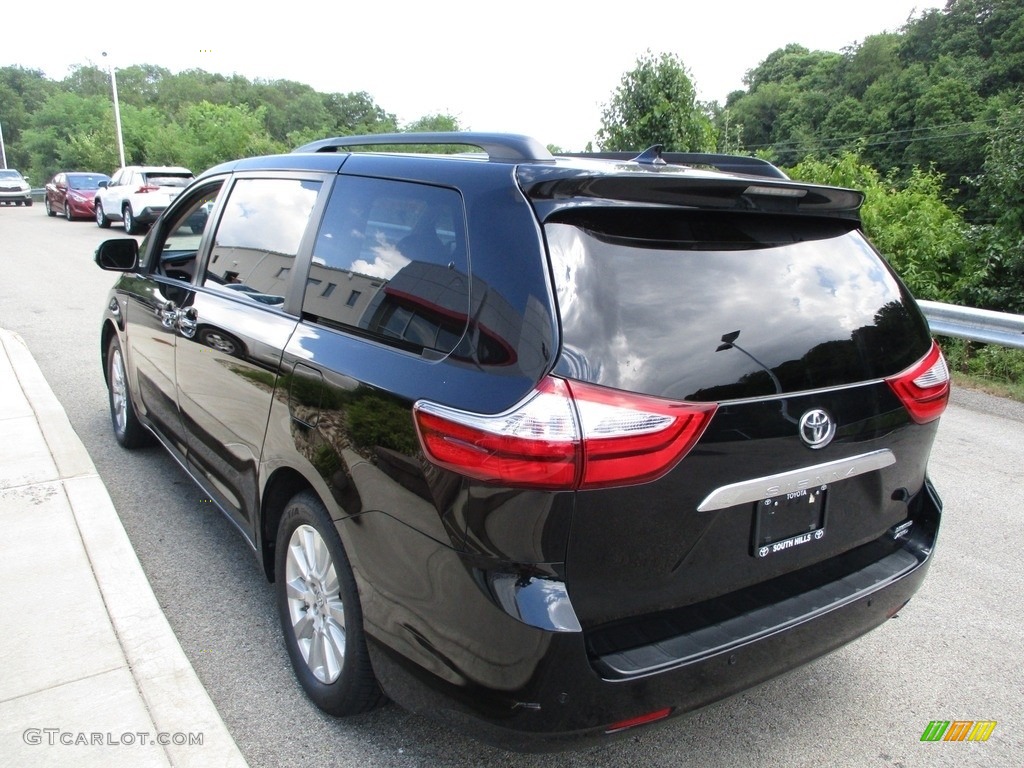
982	325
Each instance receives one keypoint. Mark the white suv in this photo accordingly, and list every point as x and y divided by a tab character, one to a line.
137	195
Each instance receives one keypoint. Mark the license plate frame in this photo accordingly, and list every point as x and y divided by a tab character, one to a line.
789	520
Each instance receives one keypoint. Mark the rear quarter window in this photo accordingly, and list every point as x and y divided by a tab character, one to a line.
390	262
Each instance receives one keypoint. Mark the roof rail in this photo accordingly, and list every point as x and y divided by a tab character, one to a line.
501	147
751	166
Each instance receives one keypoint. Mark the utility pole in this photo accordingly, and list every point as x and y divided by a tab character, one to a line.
117	110
3	150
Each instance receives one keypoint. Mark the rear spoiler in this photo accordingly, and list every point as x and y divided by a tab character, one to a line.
741	164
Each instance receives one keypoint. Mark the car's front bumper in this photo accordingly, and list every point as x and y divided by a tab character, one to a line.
16	196
82	209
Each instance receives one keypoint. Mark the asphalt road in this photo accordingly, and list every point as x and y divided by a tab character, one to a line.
954	653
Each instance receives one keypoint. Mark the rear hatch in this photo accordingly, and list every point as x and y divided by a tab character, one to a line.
766	299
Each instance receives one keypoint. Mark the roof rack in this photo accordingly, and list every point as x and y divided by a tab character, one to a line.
751	166
500	147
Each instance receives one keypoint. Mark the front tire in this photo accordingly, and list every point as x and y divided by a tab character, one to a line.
101	217
67	211
128	430
318	604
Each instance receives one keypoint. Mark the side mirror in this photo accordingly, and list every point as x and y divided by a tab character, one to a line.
103	184
120	255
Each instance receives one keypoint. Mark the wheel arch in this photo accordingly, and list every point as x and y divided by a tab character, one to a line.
281	487
107	332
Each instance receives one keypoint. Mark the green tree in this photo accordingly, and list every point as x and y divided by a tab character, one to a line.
289	106
215	133
656	103
65	132
998	282
910	222
355	114
431	123
22	92
875	57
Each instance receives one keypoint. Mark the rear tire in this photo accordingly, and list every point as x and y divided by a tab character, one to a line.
318	604
131	226
49	210
128	430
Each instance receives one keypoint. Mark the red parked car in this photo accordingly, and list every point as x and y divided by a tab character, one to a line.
72	194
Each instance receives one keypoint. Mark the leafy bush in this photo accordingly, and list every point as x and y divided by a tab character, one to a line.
910	222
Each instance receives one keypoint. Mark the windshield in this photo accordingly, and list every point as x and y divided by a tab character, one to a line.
9	174
85	180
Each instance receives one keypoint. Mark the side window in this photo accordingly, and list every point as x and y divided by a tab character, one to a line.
258	237
390	262
181	233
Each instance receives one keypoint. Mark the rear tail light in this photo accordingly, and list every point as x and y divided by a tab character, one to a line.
924	387
565	435
147	188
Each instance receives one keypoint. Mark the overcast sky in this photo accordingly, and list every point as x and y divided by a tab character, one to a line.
540	68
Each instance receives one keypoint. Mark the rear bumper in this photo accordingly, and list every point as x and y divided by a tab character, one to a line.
149	214
582	683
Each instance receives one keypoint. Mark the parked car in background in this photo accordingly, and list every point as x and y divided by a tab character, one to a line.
550	447
71	194
14	188
138	194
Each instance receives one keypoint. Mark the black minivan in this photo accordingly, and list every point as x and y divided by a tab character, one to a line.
548	446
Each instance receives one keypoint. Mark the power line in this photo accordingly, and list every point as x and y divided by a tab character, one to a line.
886	137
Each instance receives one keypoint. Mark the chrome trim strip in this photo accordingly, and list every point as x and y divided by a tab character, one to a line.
801	393
760	488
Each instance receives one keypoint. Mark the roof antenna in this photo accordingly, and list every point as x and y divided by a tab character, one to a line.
651	156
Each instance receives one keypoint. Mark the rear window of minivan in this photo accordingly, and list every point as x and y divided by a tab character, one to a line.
713	306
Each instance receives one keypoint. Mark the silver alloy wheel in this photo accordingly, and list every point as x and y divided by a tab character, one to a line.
315	608
118	391
219	342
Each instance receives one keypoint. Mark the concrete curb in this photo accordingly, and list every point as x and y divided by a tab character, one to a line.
171	692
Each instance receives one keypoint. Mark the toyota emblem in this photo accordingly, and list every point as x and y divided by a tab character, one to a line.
817	428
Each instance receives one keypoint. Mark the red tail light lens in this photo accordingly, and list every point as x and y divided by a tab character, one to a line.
924	387
565	435
534	444
147	188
